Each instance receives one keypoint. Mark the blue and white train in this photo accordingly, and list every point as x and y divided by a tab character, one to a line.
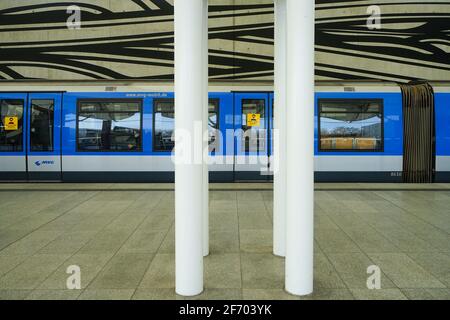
123	132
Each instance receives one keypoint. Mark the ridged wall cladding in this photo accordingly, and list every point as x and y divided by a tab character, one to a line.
133	39
419	146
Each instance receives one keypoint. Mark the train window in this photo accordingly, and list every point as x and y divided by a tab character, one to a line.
109	125
11	125
164	125
41	125
254	134
213	124
351	125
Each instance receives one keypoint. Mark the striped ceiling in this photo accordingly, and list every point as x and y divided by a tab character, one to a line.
133	39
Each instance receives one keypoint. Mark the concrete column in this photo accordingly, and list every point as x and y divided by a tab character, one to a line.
279	196
300	147
189	116
205	131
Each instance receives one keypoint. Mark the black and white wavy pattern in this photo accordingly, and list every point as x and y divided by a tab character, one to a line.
414	42
133	39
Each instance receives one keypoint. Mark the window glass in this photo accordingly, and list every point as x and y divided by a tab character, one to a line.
272	127
11	125
164	117
254	135
351	125
41	126
110	126
213	125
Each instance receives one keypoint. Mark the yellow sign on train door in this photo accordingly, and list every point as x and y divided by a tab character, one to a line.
11	123
253	120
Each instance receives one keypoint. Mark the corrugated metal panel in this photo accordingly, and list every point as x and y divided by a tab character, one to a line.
419	155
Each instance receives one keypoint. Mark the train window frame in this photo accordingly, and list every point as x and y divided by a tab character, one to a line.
216	102
155	102
265	108
52	131
380	101
23	146
141	123
244	100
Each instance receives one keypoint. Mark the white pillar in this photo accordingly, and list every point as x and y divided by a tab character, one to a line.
189	102
300	147
279	194
205	131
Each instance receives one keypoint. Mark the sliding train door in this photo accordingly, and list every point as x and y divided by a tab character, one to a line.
12	136
252	136
30	136
44	136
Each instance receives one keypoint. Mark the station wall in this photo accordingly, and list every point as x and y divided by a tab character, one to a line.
133	39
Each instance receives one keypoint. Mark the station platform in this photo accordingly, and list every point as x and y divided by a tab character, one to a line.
122	238
52	186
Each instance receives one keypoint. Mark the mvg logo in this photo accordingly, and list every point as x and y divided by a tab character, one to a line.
44	163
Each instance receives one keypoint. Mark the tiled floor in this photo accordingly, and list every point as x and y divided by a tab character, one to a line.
123	242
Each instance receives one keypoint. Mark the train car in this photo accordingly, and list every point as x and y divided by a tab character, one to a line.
123	132
359	134
442	107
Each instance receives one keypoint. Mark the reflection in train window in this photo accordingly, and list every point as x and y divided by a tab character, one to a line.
213	125
164	125
109	125
254	134
351	125
11	125
41	125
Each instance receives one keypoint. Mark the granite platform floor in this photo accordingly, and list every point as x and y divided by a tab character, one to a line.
123	242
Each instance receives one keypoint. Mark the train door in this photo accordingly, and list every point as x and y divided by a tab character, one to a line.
252	135
43	132
12	136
